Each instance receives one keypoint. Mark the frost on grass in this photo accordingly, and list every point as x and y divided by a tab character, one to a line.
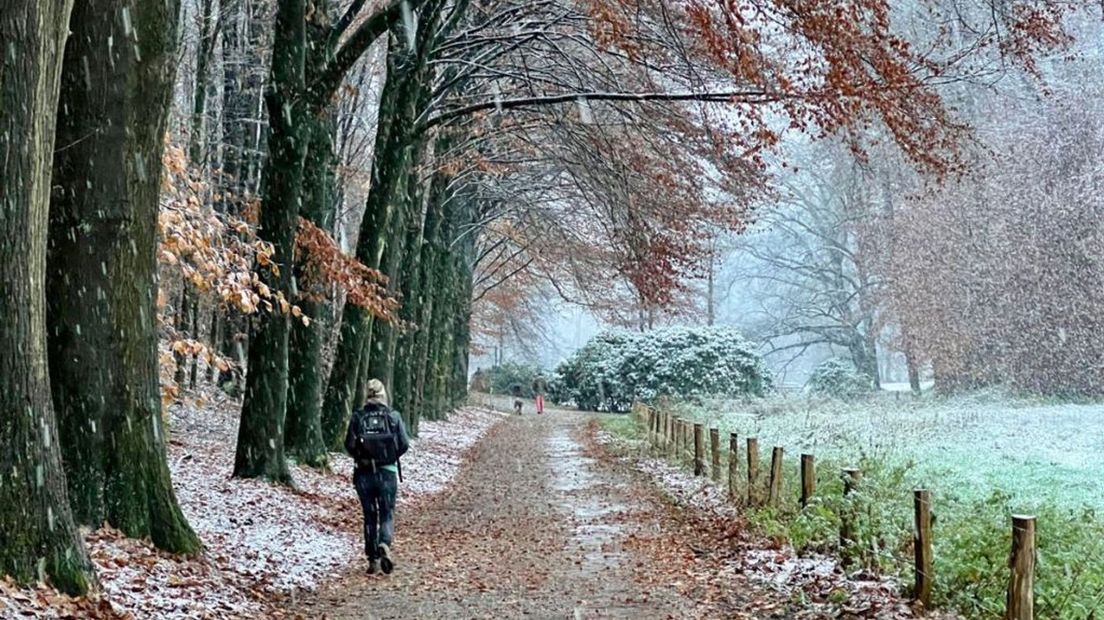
1035	451
818	578
261	542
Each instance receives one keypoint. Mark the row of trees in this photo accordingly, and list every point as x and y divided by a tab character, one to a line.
593	145
986	278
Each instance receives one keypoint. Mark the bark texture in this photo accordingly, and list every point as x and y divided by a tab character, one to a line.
38	538
303	438
260	446
102	269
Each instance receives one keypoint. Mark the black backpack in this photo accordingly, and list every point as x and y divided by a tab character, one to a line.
376	437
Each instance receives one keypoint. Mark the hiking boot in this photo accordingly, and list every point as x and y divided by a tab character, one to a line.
373	567
386	563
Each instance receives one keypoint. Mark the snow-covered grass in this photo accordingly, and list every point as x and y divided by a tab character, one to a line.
984	457
1037	452
261	542
821	580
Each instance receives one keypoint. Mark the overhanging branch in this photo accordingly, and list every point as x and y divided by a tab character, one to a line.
739	96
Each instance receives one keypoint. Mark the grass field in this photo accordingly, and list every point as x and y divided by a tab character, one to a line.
1036	452
983	457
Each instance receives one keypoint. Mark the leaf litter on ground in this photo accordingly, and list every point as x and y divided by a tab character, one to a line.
717	551
263	544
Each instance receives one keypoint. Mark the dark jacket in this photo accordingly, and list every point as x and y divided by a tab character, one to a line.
396	422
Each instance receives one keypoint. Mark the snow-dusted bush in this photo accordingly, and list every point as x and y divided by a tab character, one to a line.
592	379
839	378
619	367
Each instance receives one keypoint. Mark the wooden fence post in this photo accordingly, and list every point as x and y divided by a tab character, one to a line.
688	440
667	433
752	470
1021	584
699	450
851	477
661	437
808	479
683	440
733	465
774	492
676	434
715	450
921	502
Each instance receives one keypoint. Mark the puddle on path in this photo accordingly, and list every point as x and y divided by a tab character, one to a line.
591	504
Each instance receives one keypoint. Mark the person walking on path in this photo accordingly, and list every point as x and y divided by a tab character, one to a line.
539	388
376	439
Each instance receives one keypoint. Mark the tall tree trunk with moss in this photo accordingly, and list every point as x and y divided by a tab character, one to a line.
381	351
438	326
462	316
429	263
338	401
398	106
410	282
303	439
38	536
102	269
260	446
449	315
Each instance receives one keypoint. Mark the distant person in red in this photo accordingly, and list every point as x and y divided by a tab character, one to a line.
539	387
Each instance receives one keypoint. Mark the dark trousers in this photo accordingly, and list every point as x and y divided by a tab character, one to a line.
377	492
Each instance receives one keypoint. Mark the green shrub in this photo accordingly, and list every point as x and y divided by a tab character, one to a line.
501	379
839	378
617	368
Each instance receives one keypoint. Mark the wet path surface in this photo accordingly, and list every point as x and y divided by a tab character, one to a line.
532	527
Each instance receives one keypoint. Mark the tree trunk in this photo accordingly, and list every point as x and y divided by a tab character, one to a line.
38	537
214	339
197	143
195	330
911	363
402	374
430	261
260	449
243	120
102	270
711	292
304	414
180	322
363	377
197	155
340	389
303	439
380	356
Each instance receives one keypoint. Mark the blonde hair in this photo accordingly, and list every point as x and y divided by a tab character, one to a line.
376	391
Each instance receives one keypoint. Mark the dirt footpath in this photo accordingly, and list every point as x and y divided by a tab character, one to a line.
535	527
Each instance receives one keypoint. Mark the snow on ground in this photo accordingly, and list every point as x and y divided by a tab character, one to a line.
262	542
779	567
1036	451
